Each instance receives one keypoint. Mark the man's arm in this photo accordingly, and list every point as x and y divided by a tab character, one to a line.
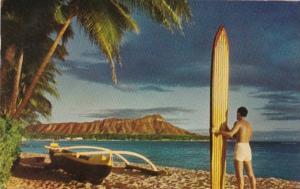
231	132
225	127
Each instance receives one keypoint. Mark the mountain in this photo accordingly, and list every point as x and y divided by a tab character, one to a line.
148	125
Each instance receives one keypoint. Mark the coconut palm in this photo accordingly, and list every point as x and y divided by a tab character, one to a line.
24	41
39	104
105	22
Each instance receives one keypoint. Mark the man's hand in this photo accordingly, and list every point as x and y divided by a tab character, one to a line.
216	132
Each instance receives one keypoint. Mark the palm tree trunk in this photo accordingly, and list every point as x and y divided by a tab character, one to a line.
7	61
3	77
15	91
41	69
3	87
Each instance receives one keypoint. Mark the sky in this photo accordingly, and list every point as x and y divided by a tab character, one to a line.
169	73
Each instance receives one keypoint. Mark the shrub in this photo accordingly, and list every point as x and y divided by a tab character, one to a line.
10	138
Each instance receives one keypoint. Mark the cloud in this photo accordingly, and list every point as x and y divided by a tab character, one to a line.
84	70
89	56
264	51
131	88
137	112
264	54
179	121
281	106
283	97
125	88
100	73
91	53
154	88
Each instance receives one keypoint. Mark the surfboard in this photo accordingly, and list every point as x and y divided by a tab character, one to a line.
219	107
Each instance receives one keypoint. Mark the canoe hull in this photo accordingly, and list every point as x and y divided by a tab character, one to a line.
94	173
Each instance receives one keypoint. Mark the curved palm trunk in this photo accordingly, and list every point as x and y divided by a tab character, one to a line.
41	69
15	91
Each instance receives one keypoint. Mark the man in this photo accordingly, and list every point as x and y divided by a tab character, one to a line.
242	132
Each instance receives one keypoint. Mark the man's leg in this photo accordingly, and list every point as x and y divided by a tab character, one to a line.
249	170
239	169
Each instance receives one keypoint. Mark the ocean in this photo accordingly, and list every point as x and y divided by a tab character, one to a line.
270	159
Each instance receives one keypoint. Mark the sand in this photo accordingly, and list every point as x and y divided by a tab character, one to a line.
32	174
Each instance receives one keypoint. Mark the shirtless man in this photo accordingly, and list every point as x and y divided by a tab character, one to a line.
242	132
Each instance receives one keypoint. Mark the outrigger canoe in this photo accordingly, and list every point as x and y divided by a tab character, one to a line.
93	165
83	165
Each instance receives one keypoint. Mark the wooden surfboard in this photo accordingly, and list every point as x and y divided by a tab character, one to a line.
219	107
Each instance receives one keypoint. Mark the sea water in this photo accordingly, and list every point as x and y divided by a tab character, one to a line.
270	159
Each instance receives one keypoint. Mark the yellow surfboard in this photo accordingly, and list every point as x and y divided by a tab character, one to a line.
219	107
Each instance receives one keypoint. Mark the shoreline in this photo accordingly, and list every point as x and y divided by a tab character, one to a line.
160	140
30	175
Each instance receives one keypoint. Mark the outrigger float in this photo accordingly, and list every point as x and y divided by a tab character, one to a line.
93	164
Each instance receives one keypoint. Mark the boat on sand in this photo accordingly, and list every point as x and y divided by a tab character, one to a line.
93	163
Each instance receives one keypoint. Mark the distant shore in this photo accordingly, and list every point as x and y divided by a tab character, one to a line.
130	137
161	140
30	175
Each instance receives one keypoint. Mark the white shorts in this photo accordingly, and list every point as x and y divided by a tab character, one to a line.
242	152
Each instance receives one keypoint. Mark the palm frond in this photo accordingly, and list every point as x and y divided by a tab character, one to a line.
169	13
105	23
127	19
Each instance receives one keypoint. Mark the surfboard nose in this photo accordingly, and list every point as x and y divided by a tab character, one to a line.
221	31
221	39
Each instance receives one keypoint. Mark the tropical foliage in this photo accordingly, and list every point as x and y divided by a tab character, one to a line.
10	138
105	22
27	32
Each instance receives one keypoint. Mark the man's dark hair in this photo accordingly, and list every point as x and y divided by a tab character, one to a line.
243	111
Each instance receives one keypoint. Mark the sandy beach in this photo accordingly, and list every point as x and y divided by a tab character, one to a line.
32	174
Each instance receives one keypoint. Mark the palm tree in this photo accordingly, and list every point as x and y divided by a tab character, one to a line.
105	22
39	104
23	39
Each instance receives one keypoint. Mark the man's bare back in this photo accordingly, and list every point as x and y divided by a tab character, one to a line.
244	134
